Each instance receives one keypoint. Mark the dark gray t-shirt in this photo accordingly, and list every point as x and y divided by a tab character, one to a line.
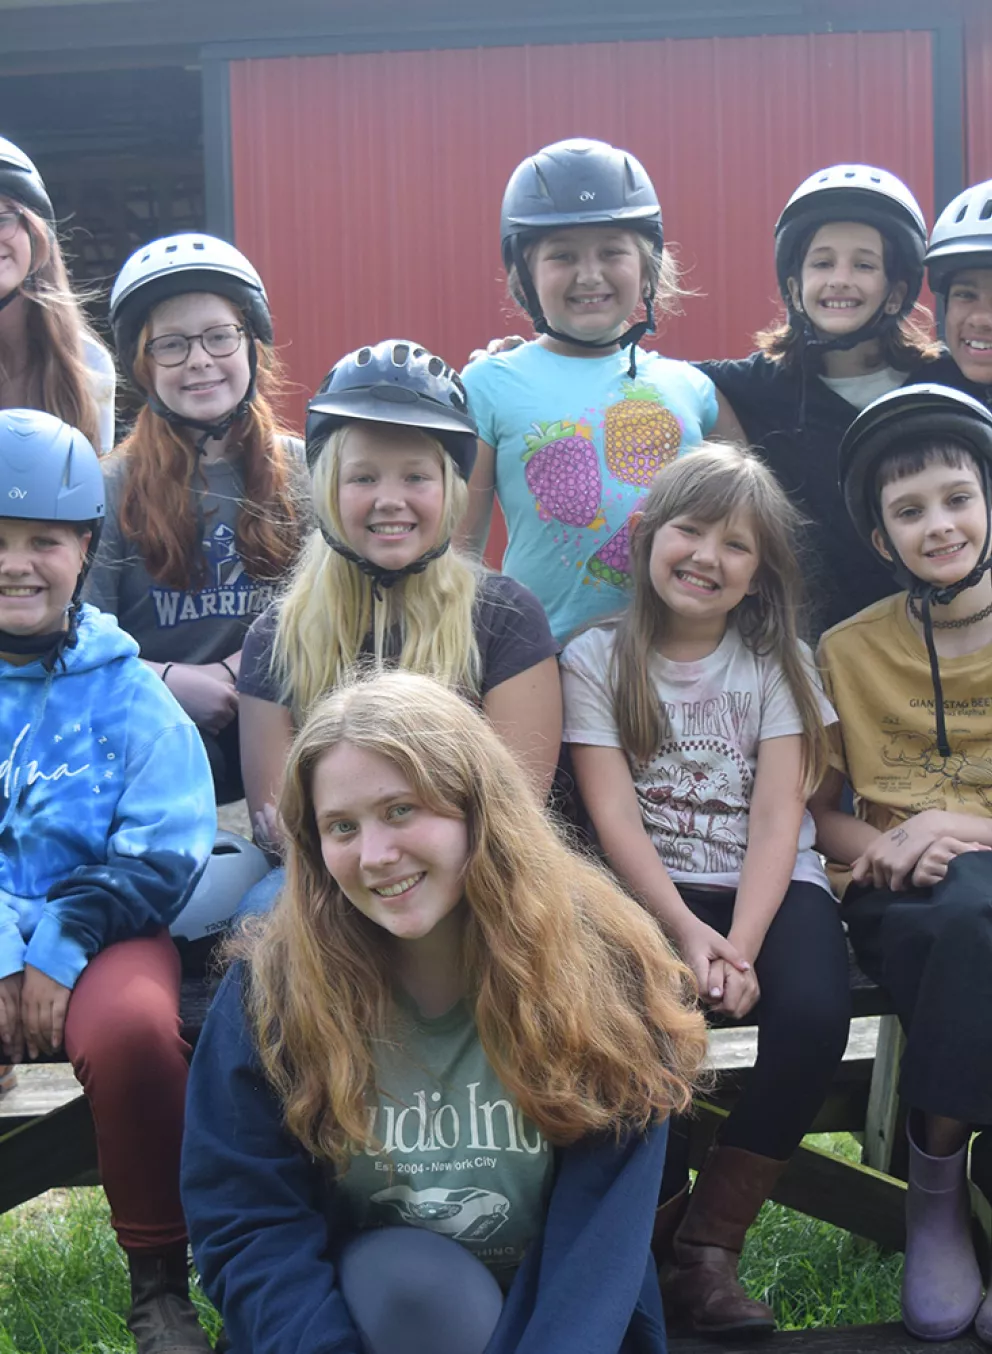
196	624
511	630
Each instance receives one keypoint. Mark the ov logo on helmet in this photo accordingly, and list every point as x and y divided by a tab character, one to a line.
17	493
586	195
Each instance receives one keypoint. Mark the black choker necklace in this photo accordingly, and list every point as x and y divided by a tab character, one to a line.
917	614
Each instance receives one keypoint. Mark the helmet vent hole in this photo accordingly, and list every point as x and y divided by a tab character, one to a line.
171	248
401	354
876	178
542	181
435	366
145	257
986	211
420	352
961	214
849	174
198	244
364	357
824	178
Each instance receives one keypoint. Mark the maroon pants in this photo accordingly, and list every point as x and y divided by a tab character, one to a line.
122	1036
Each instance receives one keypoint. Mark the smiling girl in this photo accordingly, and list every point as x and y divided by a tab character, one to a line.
849	258
959	269
207	497
106	820
697	733
575	424
50	358
427	1108
391	442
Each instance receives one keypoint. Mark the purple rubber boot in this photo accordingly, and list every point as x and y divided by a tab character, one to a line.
942	1284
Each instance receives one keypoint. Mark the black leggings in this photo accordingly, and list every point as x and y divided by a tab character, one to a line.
931	949
224	752
803	1017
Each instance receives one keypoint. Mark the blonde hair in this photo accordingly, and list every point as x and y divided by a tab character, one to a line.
713	482
329	606
582	1009
661	273
57	332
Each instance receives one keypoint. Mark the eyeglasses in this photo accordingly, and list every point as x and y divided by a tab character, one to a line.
172	350
9	225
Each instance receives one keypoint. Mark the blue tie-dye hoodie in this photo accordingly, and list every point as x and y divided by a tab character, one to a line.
106	803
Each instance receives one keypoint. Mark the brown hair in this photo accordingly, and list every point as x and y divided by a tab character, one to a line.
915	454
714	482
57	330
156	507
583	1010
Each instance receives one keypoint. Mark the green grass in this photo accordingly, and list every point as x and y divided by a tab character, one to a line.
64	1289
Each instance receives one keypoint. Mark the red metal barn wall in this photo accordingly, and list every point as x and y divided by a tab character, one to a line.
978	74
367	186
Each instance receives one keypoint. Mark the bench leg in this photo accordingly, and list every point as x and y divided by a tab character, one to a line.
882	1120
46	1153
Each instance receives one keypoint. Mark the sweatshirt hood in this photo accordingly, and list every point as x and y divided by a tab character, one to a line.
99	640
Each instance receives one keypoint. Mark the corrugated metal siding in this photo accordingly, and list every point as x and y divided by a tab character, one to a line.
978	68
367	187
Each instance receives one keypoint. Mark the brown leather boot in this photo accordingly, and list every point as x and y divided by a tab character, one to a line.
702	1289
162	1318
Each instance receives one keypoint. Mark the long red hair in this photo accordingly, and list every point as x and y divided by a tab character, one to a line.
162	464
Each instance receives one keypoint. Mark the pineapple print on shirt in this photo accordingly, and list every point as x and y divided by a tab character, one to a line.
640	435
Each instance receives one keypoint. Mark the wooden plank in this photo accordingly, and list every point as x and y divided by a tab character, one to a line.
735	1047
47	1153
40	1088
825	1186
888	1339
882	1119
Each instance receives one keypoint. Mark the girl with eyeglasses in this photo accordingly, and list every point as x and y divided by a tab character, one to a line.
50	358
207	498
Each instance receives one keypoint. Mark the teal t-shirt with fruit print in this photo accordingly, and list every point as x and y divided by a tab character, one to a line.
578	443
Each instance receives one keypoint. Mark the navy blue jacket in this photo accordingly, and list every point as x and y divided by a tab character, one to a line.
258	1219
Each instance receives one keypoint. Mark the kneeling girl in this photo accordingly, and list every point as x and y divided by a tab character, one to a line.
697	732
427	1106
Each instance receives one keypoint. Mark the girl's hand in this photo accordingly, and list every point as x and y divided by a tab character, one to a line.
932	865
207	700
11	1030
890	860
496	346
43	1007
740	992
709	955
268	829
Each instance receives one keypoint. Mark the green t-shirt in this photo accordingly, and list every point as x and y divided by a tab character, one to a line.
448	1149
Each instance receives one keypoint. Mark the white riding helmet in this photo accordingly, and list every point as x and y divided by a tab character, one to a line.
235	866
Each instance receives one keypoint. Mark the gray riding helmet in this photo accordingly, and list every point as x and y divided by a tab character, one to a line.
20	180
961	237
174	266
396	381
854	193
49	472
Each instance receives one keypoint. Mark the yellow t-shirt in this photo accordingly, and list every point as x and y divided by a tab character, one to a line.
877	676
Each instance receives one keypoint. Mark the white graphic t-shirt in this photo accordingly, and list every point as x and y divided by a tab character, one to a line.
695	793
448	1149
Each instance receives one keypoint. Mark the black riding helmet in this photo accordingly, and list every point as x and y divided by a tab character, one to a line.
577	183
394	381
859	193
175	266
913	413
961	237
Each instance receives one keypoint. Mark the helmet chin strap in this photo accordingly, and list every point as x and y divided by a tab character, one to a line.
48	648
222	426
930	596
11	296
383	578
630	339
